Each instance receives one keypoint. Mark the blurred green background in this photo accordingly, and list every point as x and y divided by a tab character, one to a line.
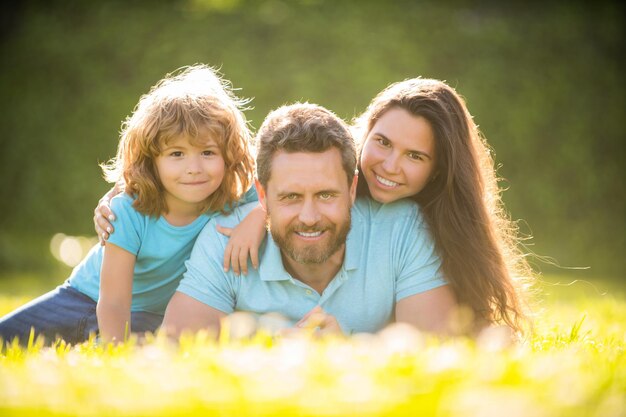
543	80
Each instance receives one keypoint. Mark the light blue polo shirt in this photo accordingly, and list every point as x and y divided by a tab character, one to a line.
389	256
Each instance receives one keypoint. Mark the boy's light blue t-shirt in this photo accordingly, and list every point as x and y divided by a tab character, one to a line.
160	249
389	256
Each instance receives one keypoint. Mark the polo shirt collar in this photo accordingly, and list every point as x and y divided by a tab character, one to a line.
353	244
271	266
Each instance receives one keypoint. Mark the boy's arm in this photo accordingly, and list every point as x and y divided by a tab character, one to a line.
114	301
186	314
244	239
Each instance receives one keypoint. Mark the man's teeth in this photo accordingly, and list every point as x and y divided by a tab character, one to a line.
312	234
386	182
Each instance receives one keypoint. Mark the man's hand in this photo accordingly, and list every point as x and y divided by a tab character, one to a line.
319	322
103	216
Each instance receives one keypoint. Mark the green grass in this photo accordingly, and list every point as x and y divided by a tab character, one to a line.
573	365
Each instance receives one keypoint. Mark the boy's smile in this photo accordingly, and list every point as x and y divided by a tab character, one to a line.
189	174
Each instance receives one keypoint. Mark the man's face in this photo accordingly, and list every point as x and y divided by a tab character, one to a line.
308	202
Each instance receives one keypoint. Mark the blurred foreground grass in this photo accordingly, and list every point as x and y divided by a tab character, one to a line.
573	365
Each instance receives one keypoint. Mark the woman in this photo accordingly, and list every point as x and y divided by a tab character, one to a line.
417	140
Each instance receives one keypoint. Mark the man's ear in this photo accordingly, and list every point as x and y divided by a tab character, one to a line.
355	181
260	191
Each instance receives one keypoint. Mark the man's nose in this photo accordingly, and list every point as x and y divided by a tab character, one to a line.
309	213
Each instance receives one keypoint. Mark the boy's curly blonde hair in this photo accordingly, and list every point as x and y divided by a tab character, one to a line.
196	103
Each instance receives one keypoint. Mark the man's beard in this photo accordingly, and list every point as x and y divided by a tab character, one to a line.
312	253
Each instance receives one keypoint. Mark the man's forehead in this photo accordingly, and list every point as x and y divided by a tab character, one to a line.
307	169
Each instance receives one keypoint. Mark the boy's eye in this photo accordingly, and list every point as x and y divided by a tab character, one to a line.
176	153
208	153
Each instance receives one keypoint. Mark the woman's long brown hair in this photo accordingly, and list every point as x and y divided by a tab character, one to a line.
477	242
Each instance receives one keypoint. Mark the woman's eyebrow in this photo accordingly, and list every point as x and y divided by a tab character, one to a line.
410	150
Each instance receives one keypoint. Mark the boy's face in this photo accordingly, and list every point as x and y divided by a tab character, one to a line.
189	173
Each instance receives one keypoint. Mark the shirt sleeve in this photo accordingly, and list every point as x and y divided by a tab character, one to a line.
205	279
127	224
249	196
420	266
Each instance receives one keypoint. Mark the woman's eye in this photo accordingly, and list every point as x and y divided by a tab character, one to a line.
383	142
416	156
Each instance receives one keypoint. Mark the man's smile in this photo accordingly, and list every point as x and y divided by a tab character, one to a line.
310	234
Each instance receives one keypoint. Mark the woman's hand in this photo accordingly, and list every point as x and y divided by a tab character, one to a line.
103	216
244	240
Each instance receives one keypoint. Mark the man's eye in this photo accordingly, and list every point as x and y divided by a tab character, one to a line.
326	196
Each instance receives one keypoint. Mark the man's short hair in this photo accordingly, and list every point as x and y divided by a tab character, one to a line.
303	127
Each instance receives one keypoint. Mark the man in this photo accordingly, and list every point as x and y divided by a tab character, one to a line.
354	266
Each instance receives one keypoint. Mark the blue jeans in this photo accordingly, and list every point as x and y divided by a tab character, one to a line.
65	313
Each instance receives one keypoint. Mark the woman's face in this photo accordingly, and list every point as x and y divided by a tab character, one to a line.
398	157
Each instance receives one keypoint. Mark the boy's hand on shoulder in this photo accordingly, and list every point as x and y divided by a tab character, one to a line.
244	241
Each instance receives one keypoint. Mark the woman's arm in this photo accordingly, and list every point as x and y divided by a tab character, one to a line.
430	311
245	239
116	285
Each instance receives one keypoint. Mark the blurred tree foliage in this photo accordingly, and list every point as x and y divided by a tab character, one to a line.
544	81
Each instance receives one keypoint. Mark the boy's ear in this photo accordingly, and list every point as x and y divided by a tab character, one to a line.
260	191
